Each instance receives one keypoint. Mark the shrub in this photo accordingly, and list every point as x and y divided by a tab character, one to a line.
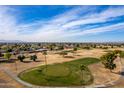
63	53
75	49
87	47
33	57
21	58
7	55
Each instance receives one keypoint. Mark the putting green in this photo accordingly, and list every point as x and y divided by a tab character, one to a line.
61	74
56	71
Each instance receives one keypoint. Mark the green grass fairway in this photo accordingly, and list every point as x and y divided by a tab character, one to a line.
65	74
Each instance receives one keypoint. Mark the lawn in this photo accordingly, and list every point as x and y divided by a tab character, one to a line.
62	74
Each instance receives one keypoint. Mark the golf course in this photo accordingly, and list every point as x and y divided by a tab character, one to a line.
61	74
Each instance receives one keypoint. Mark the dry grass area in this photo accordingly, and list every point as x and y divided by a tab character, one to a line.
101	75
51	58
7	82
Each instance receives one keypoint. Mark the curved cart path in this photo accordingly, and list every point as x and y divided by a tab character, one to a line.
7	71
7	81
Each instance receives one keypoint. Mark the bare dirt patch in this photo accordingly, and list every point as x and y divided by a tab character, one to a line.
101	75
104	76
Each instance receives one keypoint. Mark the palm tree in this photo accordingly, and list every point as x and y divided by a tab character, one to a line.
82	68
74	50
8	56
16	66
45	53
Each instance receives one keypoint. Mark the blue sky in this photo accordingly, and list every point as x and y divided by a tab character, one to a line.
62	23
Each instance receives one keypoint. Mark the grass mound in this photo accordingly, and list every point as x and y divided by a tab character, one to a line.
62	74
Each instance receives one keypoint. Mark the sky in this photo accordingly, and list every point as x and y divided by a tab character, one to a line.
62	23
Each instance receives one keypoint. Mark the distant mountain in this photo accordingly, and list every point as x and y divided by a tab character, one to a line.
10	41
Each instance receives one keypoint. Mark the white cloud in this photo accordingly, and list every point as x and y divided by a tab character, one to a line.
7	24
97	17
59	28
98	30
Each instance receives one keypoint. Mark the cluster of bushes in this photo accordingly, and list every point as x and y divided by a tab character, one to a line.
1	54
63	53
8	55
22	57
108	59
86	47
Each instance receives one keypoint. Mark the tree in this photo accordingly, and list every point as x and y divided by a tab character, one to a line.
7	55
82	68
94	46
51	47
63	53
33	57
21	58
45	53
9	50
86	47
61	47
74	50
1	55
108	61
117	52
